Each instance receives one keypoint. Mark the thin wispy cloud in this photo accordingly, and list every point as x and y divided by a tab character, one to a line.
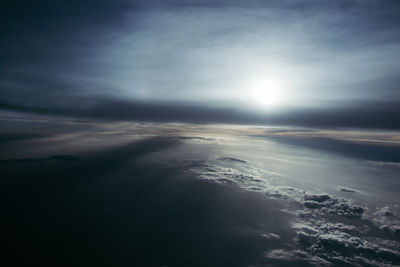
210	55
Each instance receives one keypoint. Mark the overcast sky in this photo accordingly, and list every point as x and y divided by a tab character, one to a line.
331	63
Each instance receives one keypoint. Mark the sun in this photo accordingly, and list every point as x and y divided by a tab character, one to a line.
267	93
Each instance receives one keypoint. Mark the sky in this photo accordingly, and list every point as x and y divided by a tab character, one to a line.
200	132
324	64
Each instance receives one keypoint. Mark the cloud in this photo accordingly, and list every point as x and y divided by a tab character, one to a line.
373	117
147	206
136	186
347	189
330	230
232	160
196	60
372	151
59	158
296	256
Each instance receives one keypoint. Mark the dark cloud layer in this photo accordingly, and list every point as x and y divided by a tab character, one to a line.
375	115
86	198
113	207
350	149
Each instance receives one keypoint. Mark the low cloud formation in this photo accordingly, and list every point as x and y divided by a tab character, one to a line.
347	189
330	230
123	206
174	194
59	158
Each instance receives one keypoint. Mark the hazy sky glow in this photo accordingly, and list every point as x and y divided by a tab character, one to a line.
200	132
329	56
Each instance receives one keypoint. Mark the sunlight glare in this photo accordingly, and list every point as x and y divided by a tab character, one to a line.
267	93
